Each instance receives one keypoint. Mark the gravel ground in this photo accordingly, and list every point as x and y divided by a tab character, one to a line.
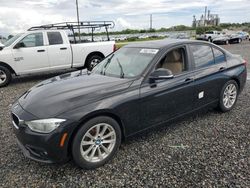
206	150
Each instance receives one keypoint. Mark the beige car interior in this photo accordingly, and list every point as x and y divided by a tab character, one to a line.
174	61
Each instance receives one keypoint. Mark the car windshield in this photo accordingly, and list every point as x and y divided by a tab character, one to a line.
126	62
11	40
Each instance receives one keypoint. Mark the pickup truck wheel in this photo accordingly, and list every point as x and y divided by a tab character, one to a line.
209	39
96	142
5	76
93	61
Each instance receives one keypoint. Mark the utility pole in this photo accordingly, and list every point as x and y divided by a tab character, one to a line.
151	22
77	11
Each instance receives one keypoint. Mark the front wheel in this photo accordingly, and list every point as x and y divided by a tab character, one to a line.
93	61
228	96
96	142
5	76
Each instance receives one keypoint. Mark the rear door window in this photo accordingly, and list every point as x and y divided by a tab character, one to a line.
55	38
219	56
203	55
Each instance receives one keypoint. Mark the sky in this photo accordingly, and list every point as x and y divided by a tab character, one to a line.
18	15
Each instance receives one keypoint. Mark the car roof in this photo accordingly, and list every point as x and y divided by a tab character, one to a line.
162	43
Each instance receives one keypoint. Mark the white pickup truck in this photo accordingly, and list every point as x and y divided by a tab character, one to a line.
48	50
209	36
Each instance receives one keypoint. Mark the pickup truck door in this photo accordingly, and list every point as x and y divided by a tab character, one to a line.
30	54
59	50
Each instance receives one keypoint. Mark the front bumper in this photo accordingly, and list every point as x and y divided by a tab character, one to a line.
41	147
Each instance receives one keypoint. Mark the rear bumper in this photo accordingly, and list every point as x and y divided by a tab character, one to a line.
242	78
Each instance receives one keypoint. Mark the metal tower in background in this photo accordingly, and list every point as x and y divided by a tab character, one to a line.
151	22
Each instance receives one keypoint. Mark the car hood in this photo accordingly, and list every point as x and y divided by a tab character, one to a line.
68	91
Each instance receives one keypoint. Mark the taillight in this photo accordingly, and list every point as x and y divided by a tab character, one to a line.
114	48
245	62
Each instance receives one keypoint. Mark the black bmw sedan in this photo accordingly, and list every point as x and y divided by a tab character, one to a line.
85	115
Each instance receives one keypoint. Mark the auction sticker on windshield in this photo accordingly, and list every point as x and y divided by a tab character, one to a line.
149	51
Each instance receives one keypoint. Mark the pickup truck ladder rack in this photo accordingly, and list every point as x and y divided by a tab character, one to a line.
93	25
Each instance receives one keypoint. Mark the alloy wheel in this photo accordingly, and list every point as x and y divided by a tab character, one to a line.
3	76
98	142
94	62
229	96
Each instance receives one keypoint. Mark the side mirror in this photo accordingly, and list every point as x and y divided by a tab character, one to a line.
161	74
19	45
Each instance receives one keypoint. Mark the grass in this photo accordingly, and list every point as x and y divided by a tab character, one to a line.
124	42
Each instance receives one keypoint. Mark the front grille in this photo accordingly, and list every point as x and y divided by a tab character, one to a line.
15	119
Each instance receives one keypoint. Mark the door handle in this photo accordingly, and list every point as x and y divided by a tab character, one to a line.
63	48
40	50
189	80
222	69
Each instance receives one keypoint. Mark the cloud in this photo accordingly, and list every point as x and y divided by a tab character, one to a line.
124	24
18	15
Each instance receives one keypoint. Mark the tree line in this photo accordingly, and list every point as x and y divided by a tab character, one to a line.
199	30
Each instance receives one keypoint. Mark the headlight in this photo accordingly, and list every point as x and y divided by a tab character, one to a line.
44	125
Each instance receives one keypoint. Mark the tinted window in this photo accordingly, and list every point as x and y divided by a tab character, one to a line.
203	55
219	57
55	38
32	40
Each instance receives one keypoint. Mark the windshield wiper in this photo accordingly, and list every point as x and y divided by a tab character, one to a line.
104	67
122	72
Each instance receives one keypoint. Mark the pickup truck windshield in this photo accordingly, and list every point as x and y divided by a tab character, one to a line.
11	40
126	62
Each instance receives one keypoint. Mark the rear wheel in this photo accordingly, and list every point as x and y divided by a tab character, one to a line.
5	76
96	142
228	96
92	61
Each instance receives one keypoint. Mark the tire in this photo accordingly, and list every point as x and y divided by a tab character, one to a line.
224	96
92	61
5	76
209	39
85	143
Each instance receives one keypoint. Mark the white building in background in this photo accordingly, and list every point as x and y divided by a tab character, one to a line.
207	19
